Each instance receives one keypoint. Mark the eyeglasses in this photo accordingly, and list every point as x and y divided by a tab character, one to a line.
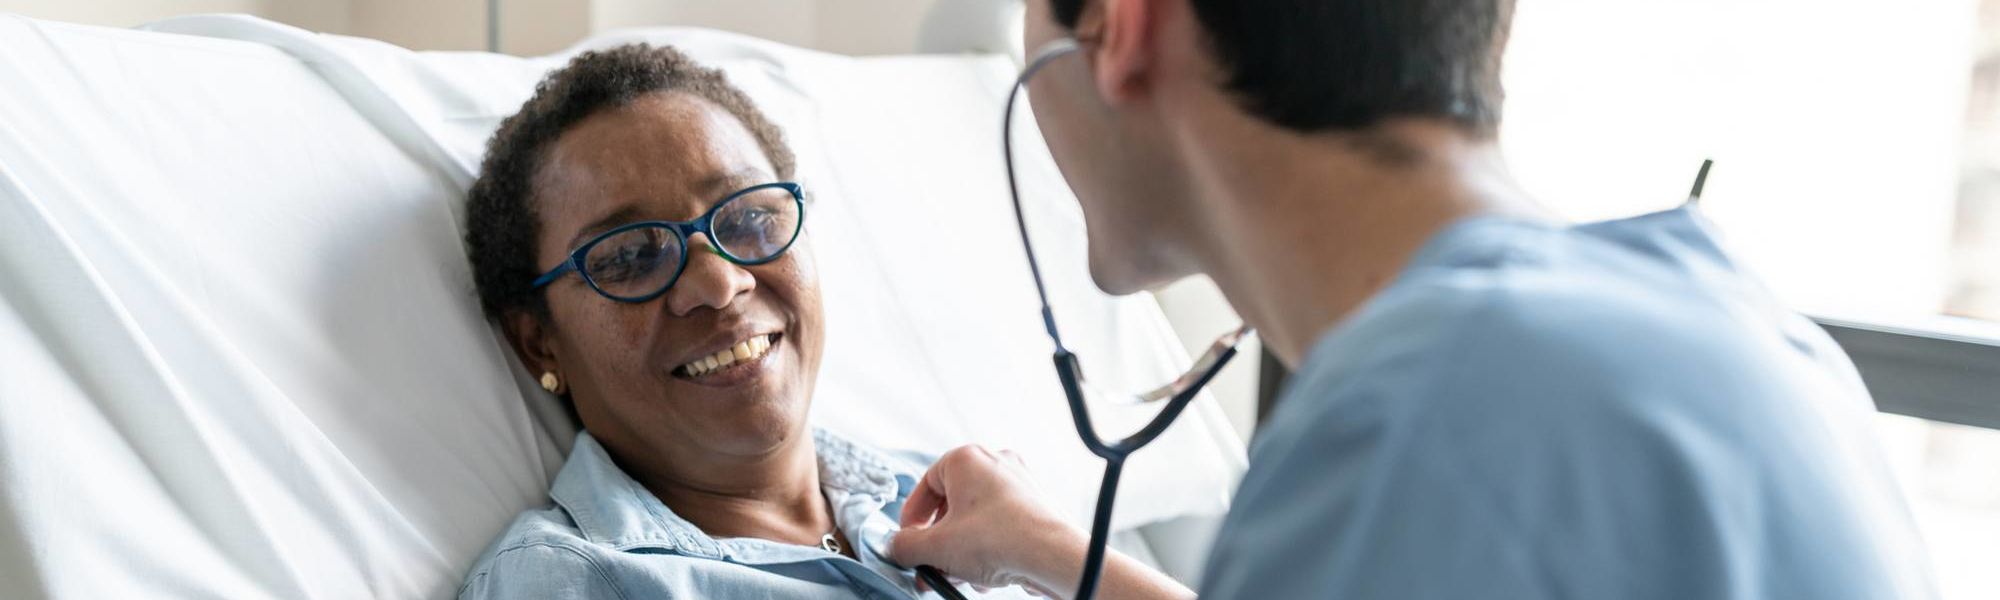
638	262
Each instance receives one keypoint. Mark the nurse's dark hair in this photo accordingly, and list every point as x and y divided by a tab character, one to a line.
1345	65
501	221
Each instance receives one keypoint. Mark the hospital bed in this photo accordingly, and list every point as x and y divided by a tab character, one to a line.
240	355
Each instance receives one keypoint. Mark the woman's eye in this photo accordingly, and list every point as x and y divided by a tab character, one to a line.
753	218
621	263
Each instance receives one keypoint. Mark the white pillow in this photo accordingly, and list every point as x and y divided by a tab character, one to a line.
241	355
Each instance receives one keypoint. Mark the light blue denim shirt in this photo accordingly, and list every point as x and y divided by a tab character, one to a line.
609	537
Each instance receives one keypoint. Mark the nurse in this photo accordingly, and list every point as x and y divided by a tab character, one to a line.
1488	402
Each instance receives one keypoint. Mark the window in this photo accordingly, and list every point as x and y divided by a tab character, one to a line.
1976	247
1837	127
1952	475
1857	148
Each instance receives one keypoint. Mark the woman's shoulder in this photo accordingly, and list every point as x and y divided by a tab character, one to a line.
548	526
542	554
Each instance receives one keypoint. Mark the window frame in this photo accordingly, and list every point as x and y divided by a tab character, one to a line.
1940	369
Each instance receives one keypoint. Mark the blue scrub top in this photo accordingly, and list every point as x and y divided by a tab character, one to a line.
1614	410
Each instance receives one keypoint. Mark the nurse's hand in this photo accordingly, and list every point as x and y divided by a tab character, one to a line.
978	517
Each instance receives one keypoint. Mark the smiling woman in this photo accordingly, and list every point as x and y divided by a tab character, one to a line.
633	233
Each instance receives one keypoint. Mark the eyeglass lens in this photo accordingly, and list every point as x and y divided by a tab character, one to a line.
751	228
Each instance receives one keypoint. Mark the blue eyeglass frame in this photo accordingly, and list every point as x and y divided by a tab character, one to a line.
684	231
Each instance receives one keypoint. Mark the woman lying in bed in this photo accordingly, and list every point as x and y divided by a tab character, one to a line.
635	234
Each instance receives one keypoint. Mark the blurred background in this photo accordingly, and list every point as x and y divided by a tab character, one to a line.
1857	146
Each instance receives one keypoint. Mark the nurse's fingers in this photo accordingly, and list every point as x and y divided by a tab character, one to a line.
931	498
924	501
912	546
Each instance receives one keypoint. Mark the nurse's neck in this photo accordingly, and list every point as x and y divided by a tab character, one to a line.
1301	230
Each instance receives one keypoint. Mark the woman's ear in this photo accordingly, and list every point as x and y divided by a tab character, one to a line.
532	340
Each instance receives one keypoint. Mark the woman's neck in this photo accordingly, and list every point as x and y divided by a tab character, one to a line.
775	496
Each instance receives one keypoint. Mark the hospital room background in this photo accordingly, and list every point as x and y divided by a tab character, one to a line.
192	404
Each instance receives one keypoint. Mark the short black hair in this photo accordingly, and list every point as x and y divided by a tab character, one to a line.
501	221
1344	65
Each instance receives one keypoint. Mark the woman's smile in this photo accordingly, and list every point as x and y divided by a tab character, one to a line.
742	361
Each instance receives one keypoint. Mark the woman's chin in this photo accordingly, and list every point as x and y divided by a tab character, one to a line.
758	431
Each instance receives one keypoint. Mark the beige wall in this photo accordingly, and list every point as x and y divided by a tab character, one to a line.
844	26
425	25
536	26
542	26
317	15
126	13
789	21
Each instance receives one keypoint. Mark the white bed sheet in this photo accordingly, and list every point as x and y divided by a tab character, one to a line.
242	357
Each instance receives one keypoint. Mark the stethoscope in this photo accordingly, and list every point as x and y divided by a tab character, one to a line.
1177	394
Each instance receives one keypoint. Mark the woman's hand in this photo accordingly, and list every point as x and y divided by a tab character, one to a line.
978	517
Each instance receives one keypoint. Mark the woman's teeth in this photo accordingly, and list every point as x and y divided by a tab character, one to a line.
743	352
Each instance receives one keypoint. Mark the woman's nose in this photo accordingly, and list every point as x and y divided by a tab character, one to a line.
710	280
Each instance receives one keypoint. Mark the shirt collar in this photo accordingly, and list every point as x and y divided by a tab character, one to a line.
612	509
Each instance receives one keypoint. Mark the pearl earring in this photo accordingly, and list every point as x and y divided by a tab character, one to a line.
550	383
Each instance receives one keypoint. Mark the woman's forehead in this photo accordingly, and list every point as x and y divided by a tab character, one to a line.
662	144
660	156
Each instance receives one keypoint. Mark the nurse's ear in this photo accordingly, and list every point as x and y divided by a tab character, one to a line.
1121	39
